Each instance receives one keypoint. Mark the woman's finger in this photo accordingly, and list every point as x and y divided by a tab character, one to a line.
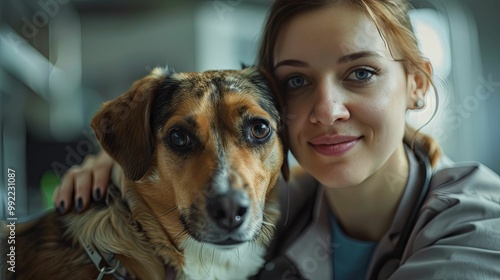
83	186
64	192
101	175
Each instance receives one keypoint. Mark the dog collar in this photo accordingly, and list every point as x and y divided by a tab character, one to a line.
106	263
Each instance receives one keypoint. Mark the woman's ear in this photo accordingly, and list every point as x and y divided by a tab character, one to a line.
418	85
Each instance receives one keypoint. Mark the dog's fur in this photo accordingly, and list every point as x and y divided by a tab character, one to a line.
159	217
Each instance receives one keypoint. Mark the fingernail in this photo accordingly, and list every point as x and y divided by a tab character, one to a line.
97	194
61	208
79	204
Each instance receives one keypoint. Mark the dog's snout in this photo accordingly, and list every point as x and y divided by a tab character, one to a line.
229	210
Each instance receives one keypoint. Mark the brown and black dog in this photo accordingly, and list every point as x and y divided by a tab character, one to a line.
200	156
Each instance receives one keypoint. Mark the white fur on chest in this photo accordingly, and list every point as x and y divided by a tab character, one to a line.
210	262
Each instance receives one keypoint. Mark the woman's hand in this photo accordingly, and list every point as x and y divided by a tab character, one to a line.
79	183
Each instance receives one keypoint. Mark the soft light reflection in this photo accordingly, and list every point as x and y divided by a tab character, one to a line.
433	38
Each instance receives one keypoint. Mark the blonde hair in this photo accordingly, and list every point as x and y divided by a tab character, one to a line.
393	23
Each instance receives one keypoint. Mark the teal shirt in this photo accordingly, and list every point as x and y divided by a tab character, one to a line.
350	257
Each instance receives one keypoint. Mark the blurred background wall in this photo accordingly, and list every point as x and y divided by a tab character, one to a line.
60	59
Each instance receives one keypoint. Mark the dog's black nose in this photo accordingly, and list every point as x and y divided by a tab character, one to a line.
229	210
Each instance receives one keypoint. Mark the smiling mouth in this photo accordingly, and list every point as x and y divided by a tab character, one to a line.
334	148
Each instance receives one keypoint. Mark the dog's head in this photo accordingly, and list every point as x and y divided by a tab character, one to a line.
201	147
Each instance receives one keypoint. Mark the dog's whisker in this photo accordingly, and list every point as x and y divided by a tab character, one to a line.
218	257
202	261
201	257
238	256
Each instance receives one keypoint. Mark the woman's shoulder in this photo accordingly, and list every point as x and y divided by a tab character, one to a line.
465	178
458	222
463	188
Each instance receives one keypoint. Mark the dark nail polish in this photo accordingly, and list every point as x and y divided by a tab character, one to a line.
79	204
97	194
61	207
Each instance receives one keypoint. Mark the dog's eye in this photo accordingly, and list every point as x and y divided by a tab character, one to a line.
179	138
260	130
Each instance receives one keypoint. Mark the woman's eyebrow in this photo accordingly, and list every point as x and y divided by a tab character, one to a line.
342	59
357	55
291	62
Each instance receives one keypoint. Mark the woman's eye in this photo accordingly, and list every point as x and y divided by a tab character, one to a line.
362	75
296	82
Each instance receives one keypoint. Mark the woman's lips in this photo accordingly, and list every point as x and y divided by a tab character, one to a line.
333	145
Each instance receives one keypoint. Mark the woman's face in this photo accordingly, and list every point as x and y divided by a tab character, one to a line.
346	97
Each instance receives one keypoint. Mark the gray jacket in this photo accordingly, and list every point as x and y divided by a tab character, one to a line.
455	233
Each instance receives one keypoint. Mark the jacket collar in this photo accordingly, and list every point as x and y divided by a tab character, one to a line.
311	252
407	204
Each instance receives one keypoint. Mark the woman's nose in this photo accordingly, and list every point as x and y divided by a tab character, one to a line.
329	105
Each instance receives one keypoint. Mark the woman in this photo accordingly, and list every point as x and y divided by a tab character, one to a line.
382	203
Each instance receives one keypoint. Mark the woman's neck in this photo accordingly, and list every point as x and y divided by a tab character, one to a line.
366	211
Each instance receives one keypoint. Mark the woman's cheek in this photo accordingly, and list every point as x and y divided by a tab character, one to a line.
293	112
295	118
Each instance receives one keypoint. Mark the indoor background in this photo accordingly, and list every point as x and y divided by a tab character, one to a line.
60	59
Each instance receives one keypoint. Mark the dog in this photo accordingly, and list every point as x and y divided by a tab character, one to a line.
199	156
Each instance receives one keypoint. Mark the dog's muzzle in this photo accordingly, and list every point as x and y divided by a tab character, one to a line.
229	210
227	219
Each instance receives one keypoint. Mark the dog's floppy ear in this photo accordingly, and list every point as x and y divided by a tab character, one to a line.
123	128
280	105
